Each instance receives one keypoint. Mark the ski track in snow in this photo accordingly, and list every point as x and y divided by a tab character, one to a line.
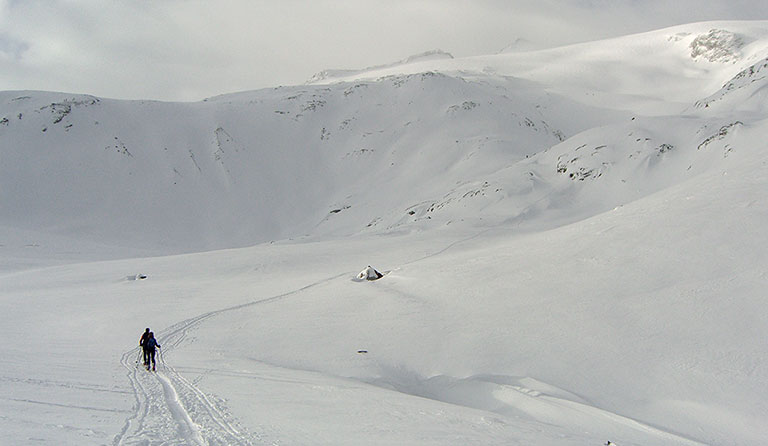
169	409
186	427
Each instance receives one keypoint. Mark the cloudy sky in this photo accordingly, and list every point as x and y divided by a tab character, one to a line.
191	49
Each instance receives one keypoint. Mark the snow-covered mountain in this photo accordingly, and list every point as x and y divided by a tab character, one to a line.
572	241
337	73
460	138
253	167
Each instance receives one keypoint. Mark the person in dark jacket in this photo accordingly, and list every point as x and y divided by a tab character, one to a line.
143	341
149	347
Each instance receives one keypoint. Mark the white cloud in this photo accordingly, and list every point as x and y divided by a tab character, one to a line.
190	49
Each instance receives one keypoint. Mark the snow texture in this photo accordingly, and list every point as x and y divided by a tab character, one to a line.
575	243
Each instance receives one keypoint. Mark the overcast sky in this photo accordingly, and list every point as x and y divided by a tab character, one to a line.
191	49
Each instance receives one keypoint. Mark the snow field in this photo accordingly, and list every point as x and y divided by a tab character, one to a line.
574	255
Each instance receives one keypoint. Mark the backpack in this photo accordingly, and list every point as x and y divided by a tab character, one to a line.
150	344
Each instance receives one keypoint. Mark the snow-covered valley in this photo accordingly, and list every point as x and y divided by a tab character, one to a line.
572	240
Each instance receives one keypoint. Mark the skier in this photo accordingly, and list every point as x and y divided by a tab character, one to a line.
149	347
142	343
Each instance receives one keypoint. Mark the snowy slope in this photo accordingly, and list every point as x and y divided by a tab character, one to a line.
572	239
659	72
265	165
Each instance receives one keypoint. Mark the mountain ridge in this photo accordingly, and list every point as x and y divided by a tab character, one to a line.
338	159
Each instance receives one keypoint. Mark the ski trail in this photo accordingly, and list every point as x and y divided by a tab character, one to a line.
219	425
187	429
218	416
446	248
135	422
171	410
175	334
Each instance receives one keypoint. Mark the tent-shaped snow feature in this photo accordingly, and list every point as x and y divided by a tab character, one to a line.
369	273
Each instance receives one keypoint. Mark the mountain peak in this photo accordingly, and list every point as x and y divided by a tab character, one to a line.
326	75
